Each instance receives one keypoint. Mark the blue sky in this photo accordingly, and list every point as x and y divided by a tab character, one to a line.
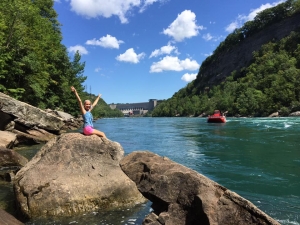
136	50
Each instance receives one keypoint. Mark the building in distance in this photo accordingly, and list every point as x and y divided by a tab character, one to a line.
141	108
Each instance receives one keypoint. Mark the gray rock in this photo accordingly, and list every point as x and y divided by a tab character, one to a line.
275	114
183	196
65	116
73	174
70	123
295	113
28	115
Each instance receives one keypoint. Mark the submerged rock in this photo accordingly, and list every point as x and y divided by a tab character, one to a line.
10	158
10	163
183	196
73	174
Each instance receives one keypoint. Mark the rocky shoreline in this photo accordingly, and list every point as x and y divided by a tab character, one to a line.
23	124
73	174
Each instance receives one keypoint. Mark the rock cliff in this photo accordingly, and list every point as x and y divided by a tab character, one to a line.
242	53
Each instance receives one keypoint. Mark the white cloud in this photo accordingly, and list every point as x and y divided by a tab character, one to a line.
165	50
147	3
232	26
104	8
254	12
97	70
106	42
130	56
82	50
174	64
241	19
188	77
207	37
209	54
184	26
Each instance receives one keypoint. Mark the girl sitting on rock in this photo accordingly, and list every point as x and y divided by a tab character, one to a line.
86	109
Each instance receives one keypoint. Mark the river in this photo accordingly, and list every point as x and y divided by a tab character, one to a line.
258	158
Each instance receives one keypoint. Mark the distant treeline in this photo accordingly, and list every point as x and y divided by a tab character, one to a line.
34	65
269	84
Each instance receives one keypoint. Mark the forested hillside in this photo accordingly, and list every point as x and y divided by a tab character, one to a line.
34	65
249	83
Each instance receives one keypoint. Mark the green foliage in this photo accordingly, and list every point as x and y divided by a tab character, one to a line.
34	65
269	84
16	93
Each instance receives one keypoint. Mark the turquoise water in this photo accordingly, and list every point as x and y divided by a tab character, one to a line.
258	158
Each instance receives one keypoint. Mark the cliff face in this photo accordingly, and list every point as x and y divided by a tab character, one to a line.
241	54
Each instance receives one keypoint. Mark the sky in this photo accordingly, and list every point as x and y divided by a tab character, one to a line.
136	50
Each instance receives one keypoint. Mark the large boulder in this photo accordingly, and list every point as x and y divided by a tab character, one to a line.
29	116
183	196
73	174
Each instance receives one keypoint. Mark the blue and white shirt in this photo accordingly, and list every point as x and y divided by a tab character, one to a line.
88	119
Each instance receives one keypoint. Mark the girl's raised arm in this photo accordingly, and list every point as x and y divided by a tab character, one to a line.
79	100
96	101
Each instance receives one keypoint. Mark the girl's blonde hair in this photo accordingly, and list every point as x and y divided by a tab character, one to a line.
87	101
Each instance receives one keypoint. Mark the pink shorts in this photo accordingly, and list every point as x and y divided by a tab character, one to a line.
88	130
